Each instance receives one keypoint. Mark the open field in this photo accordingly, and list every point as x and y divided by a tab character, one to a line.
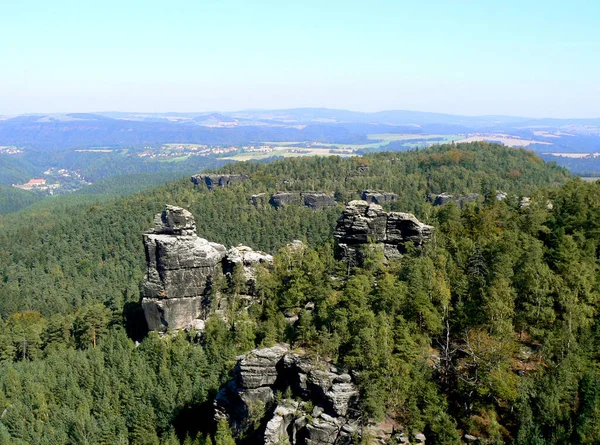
511	141
287	152
389	137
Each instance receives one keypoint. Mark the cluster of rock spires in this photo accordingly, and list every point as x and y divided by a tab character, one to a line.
363	224
181	267
320	406
215	180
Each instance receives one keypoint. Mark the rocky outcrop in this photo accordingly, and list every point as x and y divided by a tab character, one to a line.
247	258
378	197
320	406
259	200
313	200
318	200
213	181
363	224
282	199
461	200
181	267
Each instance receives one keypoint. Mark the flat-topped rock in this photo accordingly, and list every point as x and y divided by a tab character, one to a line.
282	199
316	200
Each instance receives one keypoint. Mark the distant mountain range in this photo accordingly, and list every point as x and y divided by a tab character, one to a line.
50	131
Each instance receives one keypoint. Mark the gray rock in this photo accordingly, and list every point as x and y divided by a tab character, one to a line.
180	270
259	367
378	197
420	438
180	267
249	259
470	438
525	202
323	430
363	224
316	200
341	396
174	221
276	430
329	391
243	407
213	181
259	200
282	199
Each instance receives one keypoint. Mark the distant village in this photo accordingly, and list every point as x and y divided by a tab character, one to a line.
61	178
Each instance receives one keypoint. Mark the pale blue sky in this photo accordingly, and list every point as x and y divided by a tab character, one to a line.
518	57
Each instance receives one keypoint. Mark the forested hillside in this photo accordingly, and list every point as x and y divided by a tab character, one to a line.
490	329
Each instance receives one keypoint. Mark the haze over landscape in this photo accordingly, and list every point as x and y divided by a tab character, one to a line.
467	57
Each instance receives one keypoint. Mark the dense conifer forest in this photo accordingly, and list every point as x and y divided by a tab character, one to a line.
490	329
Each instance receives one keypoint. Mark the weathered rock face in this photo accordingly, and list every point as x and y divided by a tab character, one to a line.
259	200
249	259
282	199
313	200
364	224
213	181
248	402
377	197
180	269
318	200
444	198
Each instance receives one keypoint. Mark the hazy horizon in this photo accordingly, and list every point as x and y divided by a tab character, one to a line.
175	112
514	58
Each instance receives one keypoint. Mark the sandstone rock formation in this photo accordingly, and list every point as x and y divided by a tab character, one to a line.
282	199
378	197
259	200
317	201
320	407
214	180
249	259
313	200
180	269
364	224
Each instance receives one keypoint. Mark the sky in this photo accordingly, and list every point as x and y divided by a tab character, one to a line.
472	57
